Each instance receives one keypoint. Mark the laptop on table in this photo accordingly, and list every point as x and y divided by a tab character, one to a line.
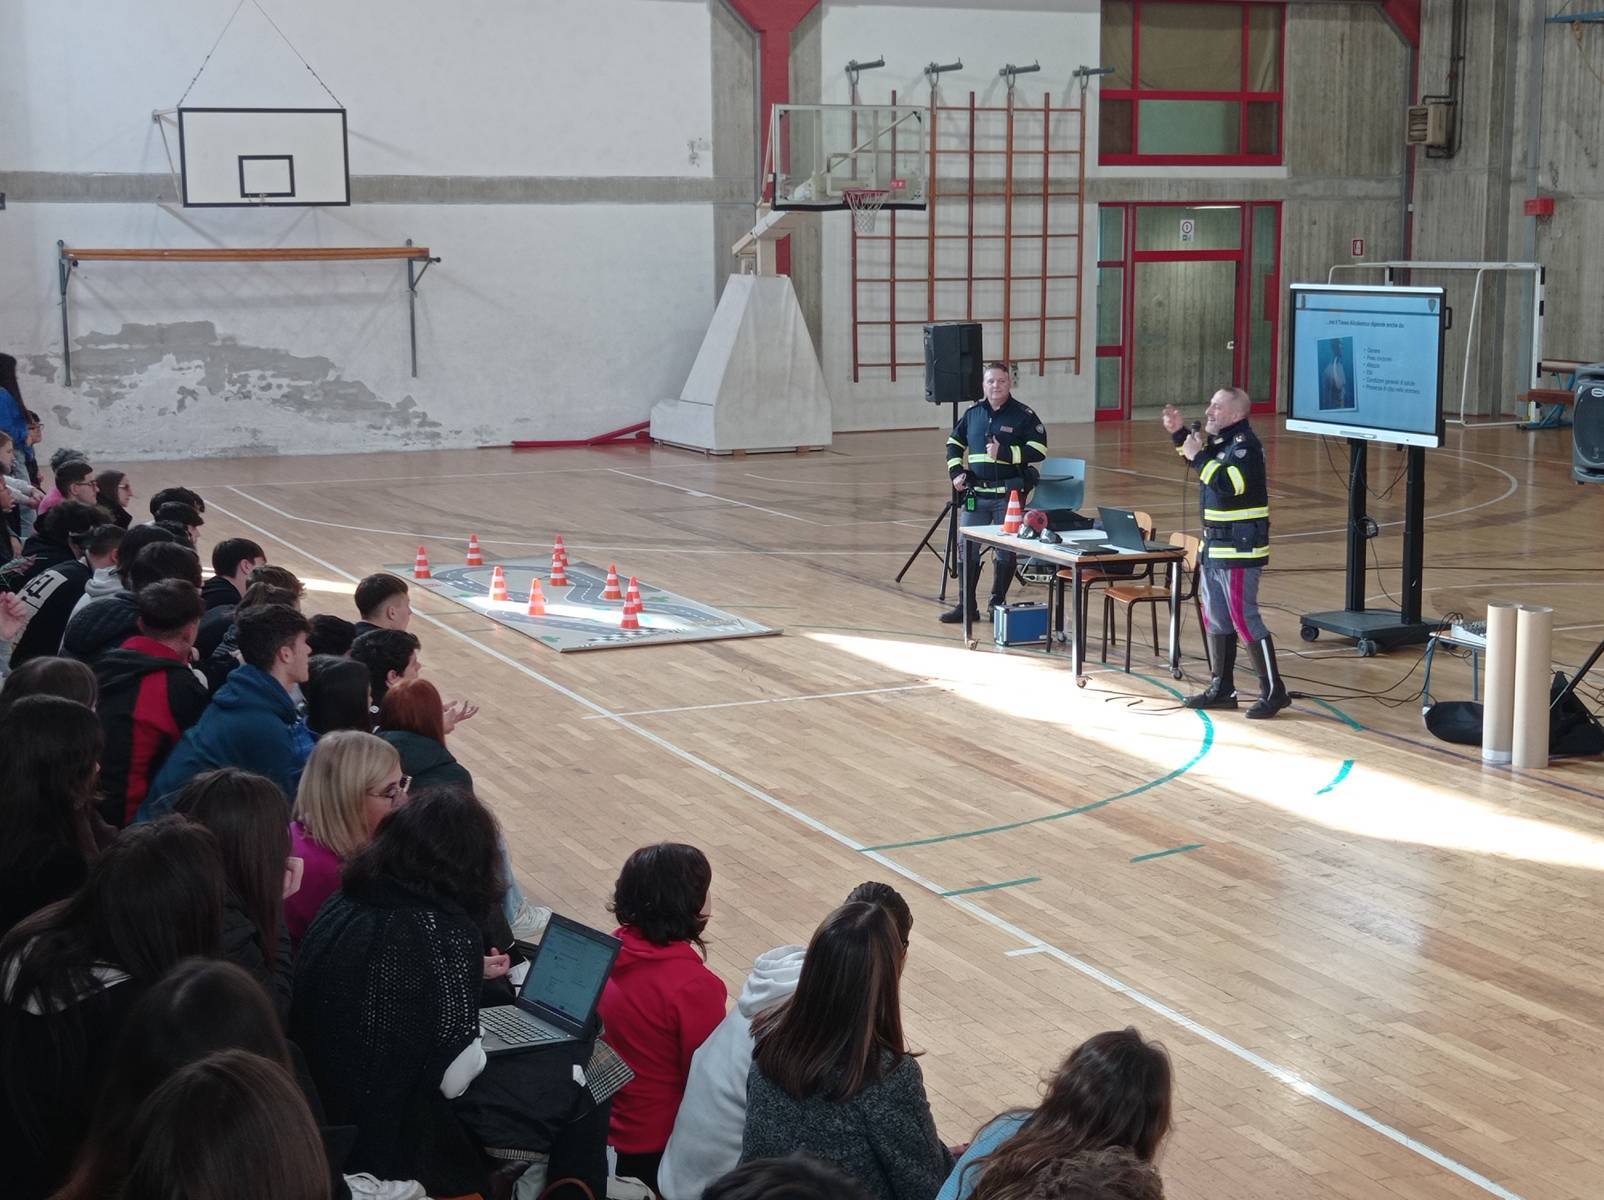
556	1002
1121	534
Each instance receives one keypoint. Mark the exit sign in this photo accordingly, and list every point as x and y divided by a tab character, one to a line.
1358	247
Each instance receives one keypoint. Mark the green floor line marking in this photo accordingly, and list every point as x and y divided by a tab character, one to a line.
992	887
1347	765
1340	715
1202	752
1167	853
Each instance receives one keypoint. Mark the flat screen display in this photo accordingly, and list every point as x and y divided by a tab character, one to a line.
1366	362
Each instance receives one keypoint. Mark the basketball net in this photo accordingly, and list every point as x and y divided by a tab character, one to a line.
865	204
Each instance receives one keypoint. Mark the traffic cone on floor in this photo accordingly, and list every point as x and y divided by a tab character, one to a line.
611	592
632	596
1015	516
631	616
537	599
420	565
558	550
498	585
559	573
475	557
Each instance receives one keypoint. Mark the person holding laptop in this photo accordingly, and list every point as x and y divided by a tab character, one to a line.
1235	499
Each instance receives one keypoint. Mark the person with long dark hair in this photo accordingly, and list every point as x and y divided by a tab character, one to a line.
49	831
337	696
245	813
64	677
69	975
661	1002
398	954
832	1074
1113	1091
112	493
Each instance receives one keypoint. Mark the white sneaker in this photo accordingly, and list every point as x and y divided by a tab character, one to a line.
530	921
365	1187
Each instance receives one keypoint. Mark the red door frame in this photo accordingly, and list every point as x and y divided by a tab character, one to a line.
1241	326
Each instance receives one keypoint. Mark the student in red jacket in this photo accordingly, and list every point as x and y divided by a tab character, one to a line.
661	1001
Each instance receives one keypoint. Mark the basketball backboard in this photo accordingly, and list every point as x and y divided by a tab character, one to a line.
819	153
245	157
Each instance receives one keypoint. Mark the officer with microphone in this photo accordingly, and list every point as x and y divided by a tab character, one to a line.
1235	499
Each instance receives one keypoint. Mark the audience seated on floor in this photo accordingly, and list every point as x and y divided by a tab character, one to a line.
69	975
1113	1091
831	1072
350	784
390	656
54	594
112	583
661	1001
399	952
252	721
49	830
149	695
706	1142
74	480
795	1177
332	634
56	540
225	657
337	693
382	602
113	491
233	560
106	624
245	813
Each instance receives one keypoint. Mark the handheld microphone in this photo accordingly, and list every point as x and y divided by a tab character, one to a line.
1196	426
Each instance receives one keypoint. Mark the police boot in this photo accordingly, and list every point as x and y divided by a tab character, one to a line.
1001	577
955	614
1221	692
1272	692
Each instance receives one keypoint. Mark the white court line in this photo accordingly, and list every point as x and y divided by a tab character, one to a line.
700	494
1283	1075
501	541
652	712
1024	950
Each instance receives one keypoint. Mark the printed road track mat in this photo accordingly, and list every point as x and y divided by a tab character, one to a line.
577	618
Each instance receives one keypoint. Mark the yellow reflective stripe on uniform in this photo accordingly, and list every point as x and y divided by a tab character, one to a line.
1209	468
1238	484
1018	453
1039	447
1218	551
1237	514
955	462
981	458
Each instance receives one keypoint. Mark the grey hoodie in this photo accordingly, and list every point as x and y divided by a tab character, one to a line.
104	582
706	1142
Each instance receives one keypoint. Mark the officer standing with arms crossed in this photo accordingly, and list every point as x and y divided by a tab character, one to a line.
1235	499
1001	438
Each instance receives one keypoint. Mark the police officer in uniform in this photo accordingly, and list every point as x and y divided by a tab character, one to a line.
1001	438
1235	498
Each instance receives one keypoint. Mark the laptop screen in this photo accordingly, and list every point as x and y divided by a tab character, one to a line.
570	970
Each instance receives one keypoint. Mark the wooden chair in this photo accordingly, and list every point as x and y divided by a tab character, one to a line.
1130	593
1092	575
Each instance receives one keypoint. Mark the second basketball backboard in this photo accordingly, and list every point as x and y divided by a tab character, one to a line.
819	154
244	157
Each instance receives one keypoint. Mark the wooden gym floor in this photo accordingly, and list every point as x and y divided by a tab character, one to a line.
1379	967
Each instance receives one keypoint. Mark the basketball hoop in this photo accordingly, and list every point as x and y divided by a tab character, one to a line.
865	204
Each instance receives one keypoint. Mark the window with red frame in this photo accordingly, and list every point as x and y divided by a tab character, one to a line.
1193	82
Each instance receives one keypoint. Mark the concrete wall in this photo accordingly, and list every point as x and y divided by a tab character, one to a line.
574	229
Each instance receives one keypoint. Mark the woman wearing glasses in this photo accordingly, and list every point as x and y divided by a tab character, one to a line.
350	784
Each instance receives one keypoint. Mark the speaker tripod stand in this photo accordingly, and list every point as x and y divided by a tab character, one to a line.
948	554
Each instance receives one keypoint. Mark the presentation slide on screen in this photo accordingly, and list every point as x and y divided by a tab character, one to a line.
1367	359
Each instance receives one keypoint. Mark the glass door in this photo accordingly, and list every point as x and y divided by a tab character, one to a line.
1183	333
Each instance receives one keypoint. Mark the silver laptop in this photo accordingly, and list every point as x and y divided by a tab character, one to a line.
557	1000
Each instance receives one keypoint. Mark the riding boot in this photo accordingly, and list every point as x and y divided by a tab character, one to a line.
955	614
1221	692
1272	692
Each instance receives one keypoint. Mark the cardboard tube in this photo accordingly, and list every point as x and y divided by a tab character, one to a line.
1534	636
1498	695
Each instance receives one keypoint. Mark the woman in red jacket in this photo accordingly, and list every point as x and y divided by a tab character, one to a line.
661	1001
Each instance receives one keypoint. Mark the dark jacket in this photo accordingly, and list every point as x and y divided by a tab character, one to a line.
428	762
52	595
148	698
120	516
884	1136
242	946
213	626
35	874
250	724
101	625
404	970
1233	492
1022	440
218	591
39	554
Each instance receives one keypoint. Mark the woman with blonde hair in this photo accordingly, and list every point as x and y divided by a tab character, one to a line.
351	782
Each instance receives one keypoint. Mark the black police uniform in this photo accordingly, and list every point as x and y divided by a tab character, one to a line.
1022	442
1234	496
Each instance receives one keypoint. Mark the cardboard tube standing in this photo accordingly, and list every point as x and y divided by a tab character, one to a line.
1498	695
1534	636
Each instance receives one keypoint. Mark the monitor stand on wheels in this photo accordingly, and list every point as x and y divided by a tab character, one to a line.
1380	629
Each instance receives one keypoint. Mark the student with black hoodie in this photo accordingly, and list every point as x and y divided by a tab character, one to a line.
108	623
148	695
233	560
52	542
54	594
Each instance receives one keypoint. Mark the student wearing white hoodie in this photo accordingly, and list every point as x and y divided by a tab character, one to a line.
706	1142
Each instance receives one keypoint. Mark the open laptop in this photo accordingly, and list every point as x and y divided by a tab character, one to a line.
1120	533
557	999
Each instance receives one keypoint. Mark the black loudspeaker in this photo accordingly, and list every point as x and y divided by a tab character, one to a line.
954	362
1587	425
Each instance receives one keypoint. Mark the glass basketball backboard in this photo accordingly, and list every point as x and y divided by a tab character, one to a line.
820	153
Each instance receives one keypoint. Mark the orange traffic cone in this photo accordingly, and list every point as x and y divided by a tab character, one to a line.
420	565
631	616
611	592
537	599
498	585
1015	516
558	550
475	557
632	596
559	575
